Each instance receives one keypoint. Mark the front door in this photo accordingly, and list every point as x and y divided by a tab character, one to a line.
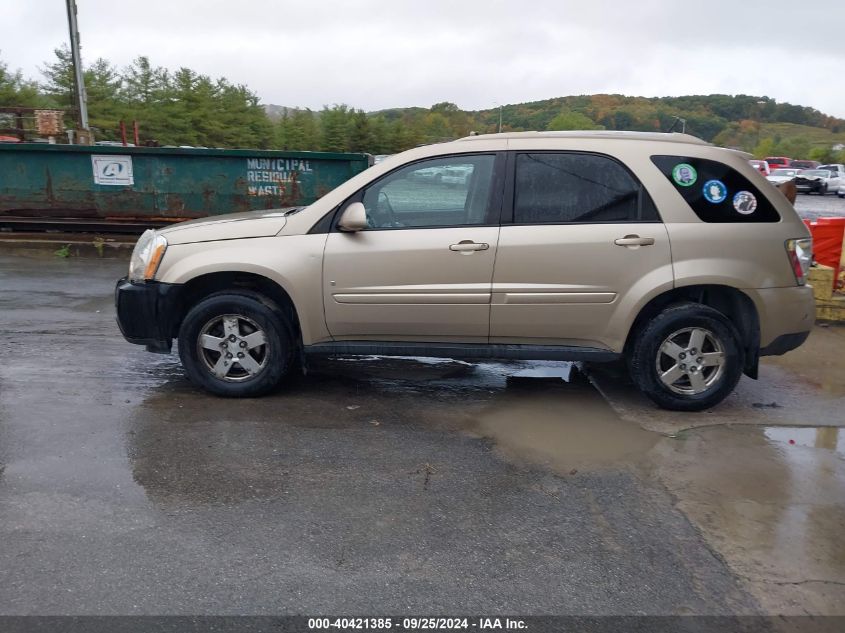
580	245
422	270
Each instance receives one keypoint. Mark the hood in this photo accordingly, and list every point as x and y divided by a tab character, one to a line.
230	226
779	179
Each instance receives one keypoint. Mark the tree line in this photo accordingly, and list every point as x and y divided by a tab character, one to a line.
179	107
184	107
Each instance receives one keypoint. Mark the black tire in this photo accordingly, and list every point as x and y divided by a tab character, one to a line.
254	313
823	190
643	357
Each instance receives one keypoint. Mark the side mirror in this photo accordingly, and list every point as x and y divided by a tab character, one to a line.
354	219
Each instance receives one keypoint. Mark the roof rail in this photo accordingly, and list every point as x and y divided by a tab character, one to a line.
673	137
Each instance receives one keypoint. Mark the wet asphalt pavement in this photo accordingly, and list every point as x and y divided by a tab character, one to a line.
389	487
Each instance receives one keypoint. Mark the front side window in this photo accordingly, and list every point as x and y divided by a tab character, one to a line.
570	187
450	191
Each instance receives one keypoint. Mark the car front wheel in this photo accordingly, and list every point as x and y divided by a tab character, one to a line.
236	344
687	358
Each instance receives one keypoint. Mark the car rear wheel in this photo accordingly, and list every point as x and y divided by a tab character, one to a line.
236	344
687	358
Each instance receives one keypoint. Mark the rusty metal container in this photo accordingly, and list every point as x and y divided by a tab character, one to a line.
105	182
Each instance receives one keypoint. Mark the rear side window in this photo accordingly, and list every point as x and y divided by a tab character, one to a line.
715	192
569	187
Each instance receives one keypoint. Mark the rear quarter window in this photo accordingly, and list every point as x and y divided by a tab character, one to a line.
716	192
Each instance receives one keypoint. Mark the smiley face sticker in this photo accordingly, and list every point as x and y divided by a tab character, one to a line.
745	203
684	175
715	191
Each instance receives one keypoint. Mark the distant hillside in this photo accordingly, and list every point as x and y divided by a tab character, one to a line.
706	115
784	139
756	124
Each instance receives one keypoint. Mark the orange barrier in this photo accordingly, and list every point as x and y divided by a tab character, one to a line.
827	241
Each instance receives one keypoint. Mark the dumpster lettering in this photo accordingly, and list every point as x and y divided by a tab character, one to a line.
268	176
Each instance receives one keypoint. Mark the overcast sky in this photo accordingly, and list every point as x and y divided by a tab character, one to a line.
375	54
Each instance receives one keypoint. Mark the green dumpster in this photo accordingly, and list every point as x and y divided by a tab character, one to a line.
168	184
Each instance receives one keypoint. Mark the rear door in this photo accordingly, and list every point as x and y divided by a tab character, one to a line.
581	243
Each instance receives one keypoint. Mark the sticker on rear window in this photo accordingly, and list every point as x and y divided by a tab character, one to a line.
745	202
718	204
684	175
715	191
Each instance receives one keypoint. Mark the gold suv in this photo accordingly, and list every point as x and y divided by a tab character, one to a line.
659	249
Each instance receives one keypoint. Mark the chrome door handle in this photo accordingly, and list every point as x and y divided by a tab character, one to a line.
467	246
634	240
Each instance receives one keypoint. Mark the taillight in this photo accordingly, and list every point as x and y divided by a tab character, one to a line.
800	257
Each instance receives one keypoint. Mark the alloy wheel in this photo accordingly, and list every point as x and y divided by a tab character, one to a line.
690	361
233	347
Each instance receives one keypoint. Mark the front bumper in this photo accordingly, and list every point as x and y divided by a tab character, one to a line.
148	312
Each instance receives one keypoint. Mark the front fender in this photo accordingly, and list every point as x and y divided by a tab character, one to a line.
294	263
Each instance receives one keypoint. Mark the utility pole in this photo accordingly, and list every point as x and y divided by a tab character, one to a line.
78	76
500	119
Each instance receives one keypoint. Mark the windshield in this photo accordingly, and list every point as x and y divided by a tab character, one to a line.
816	172
784	172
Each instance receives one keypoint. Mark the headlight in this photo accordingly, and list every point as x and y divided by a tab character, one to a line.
147	256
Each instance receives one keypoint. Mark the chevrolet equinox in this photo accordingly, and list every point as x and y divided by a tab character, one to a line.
659	249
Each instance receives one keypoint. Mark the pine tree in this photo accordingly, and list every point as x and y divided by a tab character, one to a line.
17	91
360	134
105	108
334	128
298	131
59	78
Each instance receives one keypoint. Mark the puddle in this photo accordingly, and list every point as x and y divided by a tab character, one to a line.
771	501
396	368
534	369
423	360
443	379
825	437
544	414
563	427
